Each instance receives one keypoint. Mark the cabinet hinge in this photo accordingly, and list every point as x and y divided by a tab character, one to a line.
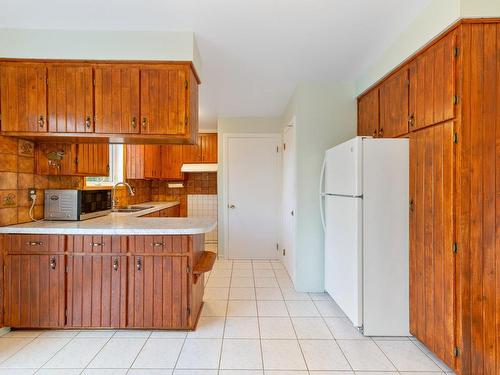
185	120
284	146
277	246
455	248
284	252
455	99
47	81
456	51
456	351
189	311
76	160
186	84
188	269
93	82
455	138
66	313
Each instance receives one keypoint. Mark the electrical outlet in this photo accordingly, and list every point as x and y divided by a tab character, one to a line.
31	191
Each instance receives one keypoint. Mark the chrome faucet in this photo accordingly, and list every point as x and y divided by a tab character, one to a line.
113	193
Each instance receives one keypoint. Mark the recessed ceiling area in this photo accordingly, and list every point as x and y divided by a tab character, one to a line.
253	52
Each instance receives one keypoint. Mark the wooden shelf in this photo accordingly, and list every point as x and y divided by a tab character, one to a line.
205	263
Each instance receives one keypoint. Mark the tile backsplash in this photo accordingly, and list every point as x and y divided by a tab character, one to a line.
17	174
203	205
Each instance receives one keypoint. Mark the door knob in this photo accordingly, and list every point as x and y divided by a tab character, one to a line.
231	206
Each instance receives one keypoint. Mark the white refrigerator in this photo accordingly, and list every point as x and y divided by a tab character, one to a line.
364	194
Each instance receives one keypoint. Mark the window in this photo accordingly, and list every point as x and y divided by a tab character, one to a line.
115	169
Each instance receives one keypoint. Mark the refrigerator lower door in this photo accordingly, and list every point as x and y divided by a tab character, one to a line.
343	254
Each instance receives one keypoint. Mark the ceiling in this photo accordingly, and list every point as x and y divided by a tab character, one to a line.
253	52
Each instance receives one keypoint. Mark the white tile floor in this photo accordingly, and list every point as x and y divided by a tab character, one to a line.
253	323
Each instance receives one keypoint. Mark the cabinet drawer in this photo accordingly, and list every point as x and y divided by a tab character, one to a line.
158	244
34	243
97	244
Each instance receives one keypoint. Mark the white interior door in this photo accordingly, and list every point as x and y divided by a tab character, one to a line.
289	201
252	186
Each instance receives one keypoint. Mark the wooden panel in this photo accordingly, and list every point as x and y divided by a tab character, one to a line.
70	98
92	159
97	244
97	291
193	104
432	263
164	100
174	211
368	114
24	97
192	153
171	162
34	243
158	292
208	143
152	162
116	99
56	159
432	77
134	161
479	199
34	291
158	244
394	104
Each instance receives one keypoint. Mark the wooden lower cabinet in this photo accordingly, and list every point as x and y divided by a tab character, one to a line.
158	291
34	291
102	281
432	260
97	291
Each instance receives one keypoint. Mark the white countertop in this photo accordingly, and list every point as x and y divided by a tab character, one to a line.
119	223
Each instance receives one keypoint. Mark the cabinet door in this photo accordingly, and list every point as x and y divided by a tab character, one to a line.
208	144
24	97
71	98
432	270
56	159
97	287
92	159
368	114
432	88
394	105
34	291
171	162
158	292
192	153
164	100
116	99
152	162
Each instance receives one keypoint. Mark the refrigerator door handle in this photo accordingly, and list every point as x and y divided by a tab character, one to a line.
321	195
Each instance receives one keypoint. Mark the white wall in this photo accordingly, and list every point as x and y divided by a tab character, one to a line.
480	8
227	125
325	115
100	45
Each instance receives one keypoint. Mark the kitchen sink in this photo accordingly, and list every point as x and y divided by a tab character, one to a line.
131	208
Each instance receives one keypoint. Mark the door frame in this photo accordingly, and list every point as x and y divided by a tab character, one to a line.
290	127
277	137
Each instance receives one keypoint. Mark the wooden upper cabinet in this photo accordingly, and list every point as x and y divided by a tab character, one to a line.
60	159
171	162
23	97
394	105
368	114
164	100
432	84
70	98
117	99
204	151
143	161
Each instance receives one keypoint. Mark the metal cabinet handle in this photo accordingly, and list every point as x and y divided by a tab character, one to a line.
375	133
41	121
139	264
53	263
88	122
133	123
95	244
115	264
411	120
412	205
381	132
158	244
34	243
144	122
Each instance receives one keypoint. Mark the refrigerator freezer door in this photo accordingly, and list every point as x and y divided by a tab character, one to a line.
343	249
343	173
385	237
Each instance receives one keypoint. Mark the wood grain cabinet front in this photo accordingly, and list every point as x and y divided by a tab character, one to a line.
34	291
23	97
368	114
394	105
